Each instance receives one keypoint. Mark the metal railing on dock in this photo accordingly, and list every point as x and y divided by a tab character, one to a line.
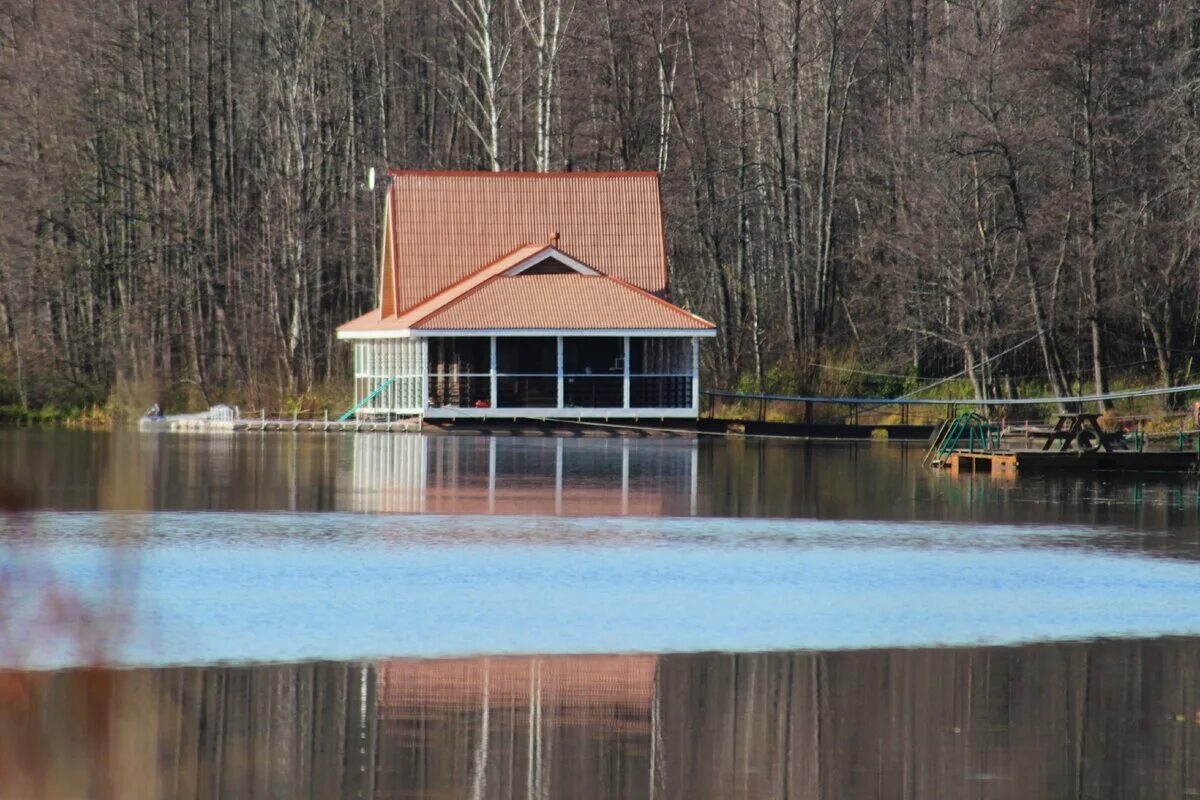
813	410
877	411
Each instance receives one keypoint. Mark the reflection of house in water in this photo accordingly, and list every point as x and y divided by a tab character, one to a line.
610	693
492	475
533	726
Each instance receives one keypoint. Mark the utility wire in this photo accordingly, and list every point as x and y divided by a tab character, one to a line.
969	369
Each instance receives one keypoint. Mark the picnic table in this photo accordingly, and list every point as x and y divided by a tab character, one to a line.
1081	432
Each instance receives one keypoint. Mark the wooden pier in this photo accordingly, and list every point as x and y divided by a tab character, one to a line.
199	424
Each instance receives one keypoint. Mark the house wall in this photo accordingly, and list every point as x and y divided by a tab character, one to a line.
390	376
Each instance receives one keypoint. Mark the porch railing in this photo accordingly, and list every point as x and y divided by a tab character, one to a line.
660	391
540	390
459	390
527	390
593	391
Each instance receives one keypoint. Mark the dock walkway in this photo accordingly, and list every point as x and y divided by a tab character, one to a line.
198	423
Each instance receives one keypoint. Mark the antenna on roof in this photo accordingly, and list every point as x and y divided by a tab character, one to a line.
371	179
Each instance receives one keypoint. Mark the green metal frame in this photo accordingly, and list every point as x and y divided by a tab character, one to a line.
367	399
976	428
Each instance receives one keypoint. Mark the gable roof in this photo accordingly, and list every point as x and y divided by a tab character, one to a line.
441	226
569	301
501	296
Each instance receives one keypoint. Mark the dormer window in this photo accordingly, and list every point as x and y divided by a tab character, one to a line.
549	266
550	261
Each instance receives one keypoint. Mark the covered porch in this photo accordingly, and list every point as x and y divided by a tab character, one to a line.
539	374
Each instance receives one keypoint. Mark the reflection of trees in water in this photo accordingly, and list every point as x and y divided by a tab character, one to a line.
1105	719
584	476
848	480
1110	719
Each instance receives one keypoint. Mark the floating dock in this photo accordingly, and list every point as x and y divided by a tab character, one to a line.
206	422
1078	442
1009	462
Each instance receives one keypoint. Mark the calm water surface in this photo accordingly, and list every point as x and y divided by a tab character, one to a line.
883	630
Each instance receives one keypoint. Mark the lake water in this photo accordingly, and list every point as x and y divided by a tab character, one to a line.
452	616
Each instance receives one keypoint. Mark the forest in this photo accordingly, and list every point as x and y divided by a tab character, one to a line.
878	190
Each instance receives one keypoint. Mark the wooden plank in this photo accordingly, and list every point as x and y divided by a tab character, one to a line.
999	464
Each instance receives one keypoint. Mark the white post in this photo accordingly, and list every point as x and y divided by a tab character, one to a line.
696	375
423	350
559	358
358	370
625	395
492	370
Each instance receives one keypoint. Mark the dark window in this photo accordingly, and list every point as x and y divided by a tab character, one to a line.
594	391
527	355
549	266
452	355
526	392
600	355
666	356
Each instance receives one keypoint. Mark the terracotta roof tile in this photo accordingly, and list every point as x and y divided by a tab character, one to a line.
569	301
376	321
445	225
489	299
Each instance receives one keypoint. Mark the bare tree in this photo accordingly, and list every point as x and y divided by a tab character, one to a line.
546	26
481	78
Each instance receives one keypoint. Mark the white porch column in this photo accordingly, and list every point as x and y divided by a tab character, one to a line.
423	351
492	371
696	374
625	401
559	368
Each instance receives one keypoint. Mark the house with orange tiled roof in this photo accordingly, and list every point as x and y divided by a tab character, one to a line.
525	295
